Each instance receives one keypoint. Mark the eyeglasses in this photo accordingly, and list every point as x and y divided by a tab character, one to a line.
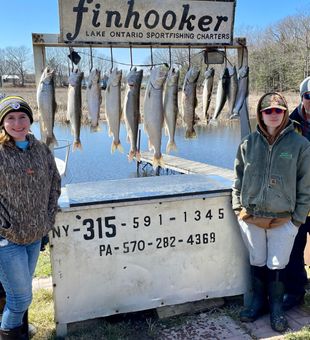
273	109
307	96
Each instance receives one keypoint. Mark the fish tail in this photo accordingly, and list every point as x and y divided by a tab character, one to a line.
213	122
95	128
77	145
138	156
131	155
190	133
134	154
116	146
51	141
158	162
171	146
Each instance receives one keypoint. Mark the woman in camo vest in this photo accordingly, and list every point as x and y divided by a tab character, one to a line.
30	186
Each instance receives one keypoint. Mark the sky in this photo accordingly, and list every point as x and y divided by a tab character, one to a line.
21	18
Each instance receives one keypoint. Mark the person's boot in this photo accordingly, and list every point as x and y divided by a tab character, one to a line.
259	304
278	320
25	326
13	334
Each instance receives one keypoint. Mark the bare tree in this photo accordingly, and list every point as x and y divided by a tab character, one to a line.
17	59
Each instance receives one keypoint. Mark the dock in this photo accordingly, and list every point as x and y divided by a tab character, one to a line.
186	166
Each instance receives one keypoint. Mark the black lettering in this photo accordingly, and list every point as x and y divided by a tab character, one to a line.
117	22
101	249
65	228
185	20
109	250
56	231
80	9
112	233
203	22
95	22
90	229
173	20
147	17
220	19
130	14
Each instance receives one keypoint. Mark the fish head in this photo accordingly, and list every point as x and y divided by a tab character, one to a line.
193	74
158	76
173	77
94	76
132	77
243	71
75	77
232	70
48	75
209	73
115	77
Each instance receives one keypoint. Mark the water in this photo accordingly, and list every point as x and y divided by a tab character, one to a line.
215	145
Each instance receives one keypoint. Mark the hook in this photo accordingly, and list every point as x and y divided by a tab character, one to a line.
130	48
91	58
152	64
111	53
170	62
71	57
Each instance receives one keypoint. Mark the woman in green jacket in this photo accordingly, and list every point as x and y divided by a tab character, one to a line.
271	197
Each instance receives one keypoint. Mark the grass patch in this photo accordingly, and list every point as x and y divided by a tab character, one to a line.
41	314
44	268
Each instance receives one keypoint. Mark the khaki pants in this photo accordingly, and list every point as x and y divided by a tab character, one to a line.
271	247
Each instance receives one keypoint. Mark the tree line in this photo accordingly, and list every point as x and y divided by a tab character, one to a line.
278	57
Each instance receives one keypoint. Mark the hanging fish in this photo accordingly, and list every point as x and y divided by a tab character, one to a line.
132	110
154	112
47	106
74	106
232	89
189	100
94	99
243	90
207	91
221	94
113	108
171	107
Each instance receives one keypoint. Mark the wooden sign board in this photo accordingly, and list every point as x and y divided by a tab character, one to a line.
145	22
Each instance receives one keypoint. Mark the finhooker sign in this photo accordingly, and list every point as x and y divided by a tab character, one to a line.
178	22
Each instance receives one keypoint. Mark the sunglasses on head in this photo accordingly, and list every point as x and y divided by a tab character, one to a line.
273	109
307	96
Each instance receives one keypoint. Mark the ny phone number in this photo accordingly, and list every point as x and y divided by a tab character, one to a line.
160	243
108	226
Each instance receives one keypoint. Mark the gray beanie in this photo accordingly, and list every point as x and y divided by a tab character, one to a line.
305	86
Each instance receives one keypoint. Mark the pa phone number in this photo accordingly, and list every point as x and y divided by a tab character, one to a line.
160	243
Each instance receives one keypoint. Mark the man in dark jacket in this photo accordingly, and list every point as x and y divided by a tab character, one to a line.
295	273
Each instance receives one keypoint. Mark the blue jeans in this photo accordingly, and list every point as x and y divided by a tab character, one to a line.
17	265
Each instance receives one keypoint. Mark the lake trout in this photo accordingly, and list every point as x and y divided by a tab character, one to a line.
74	106
47	106
207	91
189	101
132	110
243	90
232	89
113	109
154	112
94	99
171	107
221	94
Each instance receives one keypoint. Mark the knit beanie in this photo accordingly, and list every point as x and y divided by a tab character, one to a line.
305	86
14	103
